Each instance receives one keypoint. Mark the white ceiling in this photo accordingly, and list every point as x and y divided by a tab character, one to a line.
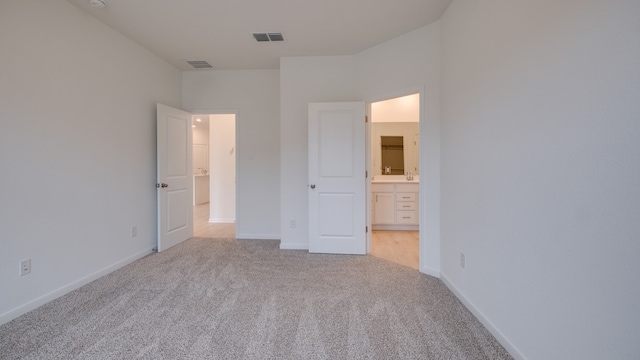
220	31
401	109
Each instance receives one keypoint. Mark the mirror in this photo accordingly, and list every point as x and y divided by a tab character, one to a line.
392	155
395	148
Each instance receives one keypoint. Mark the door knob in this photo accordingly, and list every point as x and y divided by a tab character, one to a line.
313	186
163	185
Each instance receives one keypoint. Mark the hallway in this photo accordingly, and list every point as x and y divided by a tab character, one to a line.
202	227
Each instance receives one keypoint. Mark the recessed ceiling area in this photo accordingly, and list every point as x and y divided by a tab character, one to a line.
220	31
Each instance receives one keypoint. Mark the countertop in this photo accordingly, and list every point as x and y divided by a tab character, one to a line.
394	179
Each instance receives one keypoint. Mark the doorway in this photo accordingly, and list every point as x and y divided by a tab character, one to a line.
214	174
394	163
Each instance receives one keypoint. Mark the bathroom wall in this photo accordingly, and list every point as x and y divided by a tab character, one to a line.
410	133
201	143
201	134
222	155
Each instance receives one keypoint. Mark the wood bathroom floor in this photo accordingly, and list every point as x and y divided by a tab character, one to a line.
400	247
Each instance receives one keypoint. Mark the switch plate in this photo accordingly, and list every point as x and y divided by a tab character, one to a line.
292	223
462	260
25	267
134	231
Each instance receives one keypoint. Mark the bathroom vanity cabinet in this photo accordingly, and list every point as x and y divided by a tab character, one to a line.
394	205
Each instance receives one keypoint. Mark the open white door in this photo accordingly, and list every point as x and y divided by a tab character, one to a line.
175	184
337	180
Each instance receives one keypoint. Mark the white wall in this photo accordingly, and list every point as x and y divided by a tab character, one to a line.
304	80
201	190
77	149
408	64
254	96
401	66
541	172
201	134
201	183
222	155
401	109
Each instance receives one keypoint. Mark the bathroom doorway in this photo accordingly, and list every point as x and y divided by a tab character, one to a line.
214	173
395	151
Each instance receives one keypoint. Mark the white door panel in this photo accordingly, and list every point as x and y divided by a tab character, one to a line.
334	221
337	184
177	217
175	185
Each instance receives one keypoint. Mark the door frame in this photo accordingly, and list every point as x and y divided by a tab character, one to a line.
423	243
224	112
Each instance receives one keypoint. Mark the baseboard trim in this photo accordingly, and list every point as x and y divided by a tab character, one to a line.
222	221
483	319
36	303
258	236
430	271
294	246
396	227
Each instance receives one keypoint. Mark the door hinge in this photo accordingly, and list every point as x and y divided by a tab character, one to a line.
366	119
366	174
366	229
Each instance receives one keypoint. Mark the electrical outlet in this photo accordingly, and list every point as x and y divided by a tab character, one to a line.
462	260
292	223
134	231
25	267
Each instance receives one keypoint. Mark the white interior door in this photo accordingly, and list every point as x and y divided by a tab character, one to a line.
175	184
337	180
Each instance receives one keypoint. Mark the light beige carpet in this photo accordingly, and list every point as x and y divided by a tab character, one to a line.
246	299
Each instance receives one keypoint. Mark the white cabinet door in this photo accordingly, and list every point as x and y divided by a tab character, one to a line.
384	208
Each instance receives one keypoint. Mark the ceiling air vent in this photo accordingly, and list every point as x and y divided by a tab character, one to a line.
260	37
199	64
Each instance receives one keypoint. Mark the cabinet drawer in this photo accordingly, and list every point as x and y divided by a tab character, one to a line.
382	188
409	205
406	196
406	217
410	188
